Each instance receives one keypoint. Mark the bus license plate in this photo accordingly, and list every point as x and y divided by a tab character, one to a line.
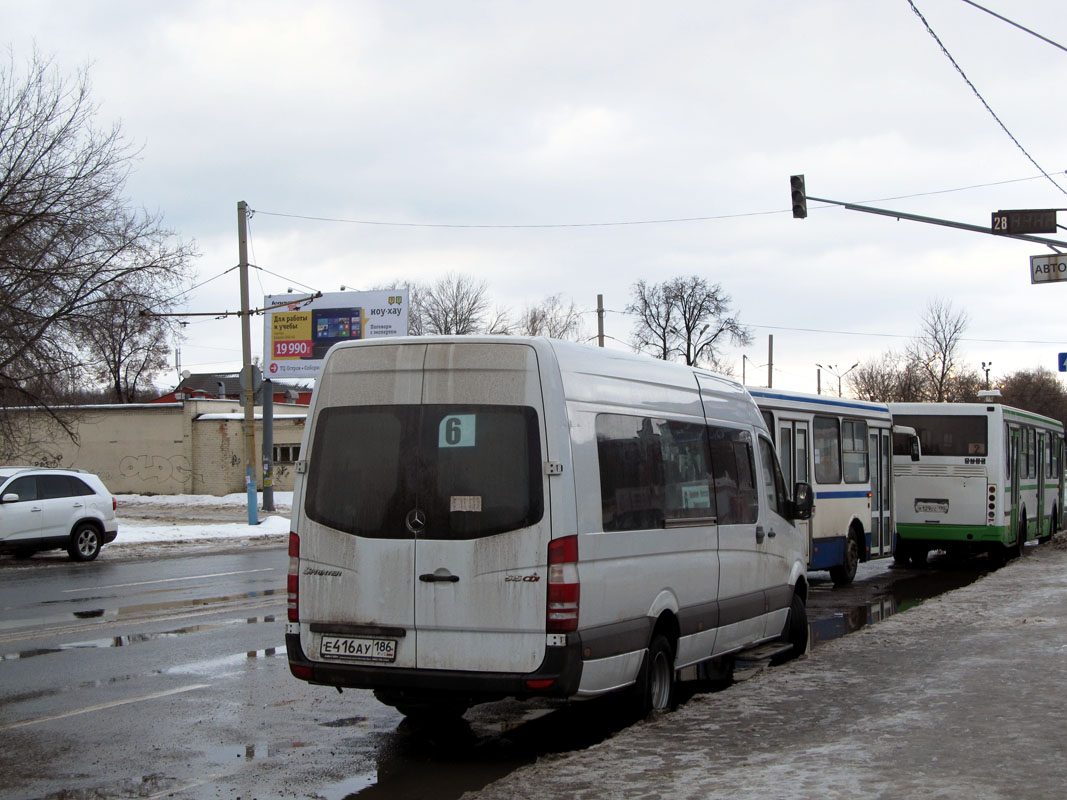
926	506
364	649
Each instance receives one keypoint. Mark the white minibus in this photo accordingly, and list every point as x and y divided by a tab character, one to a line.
477	518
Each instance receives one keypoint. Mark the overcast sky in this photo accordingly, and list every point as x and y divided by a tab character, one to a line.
567	113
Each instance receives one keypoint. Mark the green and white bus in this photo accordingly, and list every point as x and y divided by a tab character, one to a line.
989	479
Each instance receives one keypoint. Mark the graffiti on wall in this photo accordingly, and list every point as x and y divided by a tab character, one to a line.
156	468
49	460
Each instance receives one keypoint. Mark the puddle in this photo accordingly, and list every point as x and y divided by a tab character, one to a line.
138	638
349	787
118	614
218	666
227	754
834	613
446	759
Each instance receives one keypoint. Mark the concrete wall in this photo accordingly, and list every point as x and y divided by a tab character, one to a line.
195	447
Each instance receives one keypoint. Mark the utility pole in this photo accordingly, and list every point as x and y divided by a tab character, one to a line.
247	389
770	361
600	319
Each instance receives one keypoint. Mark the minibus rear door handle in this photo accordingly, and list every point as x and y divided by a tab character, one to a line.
760	535
434	577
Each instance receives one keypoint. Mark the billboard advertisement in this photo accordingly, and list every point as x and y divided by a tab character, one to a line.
296	335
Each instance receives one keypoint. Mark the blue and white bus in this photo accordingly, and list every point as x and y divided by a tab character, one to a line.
843	448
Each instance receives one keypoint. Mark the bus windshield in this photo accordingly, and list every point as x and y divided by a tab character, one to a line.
945	435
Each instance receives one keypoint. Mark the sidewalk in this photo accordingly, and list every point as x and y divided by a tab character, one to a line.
964	696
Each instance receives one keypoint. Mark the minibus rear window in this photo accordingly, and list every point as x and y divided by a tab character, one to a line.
448	472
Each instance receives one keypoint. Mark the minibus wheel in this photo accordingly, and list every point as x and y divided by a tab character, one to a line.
795	632
658	690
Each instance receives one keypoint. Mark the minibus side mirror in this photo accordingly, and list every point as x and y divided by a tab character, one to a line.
10	497
803	501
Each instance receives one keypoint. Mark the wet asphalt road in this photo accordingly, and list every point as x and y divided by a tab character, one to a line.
166	677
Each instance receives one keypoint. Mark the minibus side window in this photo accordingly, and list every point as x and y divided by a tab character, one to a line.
773	482
736	497
651	471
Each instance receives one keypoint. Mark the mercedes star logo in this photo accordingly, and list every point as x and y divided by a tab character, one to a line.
415	521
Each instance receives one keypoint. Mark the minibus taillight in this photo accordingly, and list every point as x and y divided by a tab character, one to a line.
562	615
293	581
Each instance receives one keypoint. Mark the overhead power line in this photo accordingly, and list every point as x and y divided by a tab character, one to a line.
1016	24
664	221
888	335
978	94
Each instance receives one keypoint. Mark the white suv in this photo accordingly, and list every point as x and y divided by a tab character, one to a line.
46	509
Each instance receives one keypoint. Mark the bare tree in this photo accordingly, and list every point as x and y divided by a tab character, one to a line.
877	379
551	317
935	351
963	385
126	346
455	304
655	319
69	242
684	317
1037	390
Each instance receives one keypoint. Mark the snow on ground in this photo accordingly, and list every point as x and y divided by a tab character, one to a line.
281	499
181	518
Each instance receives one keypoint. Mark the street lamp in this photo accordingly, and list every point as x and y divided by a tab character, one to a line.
832	369
986	366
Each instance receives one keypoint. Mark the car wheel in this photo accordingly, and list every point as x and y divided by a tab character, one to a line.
84	542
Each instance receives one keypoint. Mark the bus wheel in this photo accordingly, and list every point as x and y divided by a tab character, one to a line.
843	574
900	554
1020	546
1051	529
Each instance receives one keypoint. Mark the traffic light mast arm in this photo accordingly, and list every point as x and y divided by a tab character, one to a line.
1052	243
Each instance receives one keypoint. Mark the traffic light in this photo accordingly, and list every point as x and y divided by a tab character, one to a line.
800	197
